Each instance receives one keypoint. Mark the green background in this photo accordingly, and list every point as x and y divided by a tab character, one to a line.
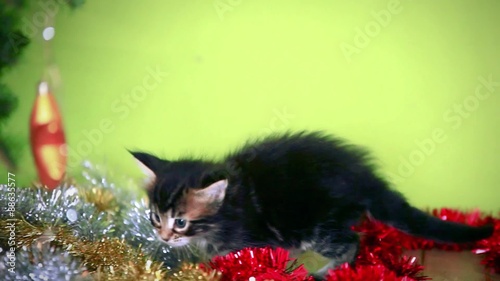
383	74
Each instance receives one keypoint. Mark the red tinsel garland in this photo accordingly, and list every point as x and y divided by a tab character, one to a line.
380	256
490	249
365	273
260	263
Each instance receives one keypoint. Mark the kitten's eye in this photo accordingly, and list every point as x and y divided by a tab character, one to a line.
155	219
180	223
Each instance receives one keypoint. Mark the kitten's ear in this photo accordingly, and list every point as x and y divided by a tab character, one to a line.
149	165
214	194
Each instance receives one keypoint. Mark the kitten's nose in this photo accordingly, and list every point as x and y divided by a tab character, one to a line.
166	234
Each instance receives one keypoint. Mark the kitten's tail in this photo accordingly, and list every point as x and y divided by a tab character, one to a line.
396	211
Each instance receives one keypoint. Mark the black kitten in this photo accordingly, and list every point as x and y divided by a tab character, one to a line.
297	191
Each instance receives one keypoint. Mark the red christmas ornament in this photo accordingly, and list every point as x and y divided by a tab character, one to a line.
47	138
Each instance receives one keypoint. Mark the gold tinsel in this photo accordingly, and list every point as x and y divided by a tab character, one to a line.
193	272
106	259
104	200
113	259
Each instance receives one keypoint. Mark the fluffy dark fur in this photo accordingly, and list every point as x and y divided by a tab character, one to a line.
297	191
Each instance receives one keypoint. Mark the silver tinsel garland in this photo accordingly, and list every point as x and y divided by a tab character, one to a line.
43	263
137	231
67	206
61	206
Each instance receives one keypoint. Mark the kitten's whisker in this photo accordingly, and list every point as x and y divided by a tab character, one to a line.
187	251
183	252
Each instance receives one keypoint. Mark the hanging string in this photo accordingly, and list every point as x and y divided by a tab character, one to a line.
51	72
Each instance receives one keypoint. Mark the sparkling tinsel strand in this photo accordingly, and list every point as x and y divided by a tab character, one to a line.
111	257
259	264
42	262
137	231
191	272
